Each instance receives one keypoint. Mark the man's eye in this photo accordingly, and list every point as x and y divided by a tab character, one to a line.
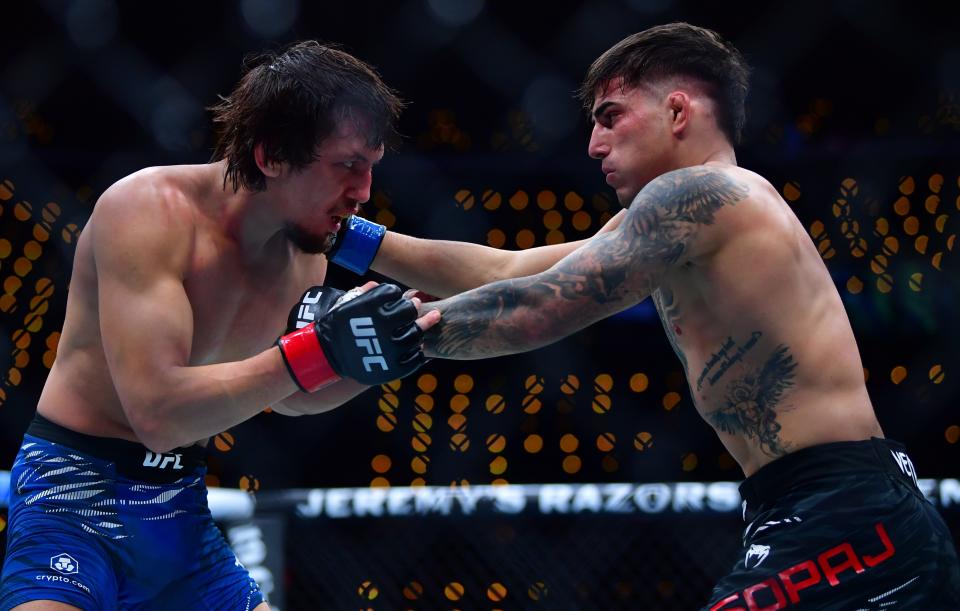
348	164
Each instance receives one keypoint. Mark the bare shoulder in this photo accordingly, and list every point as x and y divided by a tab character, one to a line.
761	191
148	212
149	192
692	209
762	209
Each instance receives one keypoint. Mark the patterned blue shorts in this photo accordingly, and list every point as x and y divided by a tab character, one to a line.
105	524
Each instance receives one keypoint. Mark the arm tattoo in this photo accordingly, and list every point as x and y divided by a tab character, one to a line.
610	273
749	408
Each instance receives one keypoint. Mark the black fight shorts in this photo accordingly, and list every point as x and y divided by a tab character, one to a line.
841	526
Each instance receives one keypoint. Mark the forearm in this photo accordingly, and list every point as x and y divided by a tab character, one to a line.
505	317
186	404
324	400
439	267
526	313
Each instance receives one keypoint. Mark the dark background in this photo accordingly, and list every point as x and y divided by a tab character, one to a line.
854	115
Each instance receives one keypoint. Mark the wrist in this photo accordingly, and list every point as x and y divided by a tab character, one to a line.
305	359
358	244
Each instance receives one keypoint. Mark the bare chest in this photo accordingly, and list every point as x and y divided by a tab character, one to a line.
702	318
239	312
727	326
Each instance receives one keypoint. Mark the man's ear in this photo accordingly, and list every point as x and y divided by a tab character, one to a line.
679	105
270	169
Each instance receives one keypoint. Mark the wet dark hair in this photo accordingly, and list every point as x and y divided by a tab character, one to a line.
291	100
677	49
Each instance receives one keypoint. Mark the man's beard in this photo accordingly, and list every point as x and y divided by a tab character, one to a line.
310	243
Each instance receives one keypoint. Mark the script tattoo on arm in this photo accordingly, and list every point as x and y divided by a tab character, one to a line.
749	407
610	273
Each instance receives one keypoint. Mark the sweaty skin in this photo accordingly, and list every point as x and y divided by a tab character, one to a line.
180	287
742	293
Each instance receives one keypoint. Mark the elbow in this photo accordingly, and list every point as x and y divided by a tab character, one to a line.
156	436
152	428
159	447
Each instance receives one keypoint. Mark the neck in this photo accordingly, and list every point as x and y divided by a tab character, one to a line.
249	220
723	155
711	150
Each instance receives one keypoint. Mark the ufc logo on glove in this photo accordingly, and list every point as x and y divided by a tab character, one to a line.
307	312
369	336
366	338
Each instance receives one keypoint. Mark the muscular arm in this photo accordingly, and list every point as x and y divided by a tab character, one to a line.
666	225
142	248
324	400
443	268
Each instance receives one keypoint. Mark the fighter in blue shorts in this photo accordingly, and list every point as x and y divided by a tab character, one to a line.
95	527
182	278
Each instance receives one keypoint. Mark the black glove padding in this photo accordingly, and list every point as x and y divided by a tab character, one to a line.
313	304
373	338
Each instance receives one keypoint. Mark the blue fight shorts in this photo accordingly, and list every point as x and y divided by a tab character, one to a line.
841	526
104	523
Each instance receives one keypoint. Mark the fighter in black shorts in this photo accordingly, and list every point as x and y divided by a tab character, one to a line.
841	526
751	311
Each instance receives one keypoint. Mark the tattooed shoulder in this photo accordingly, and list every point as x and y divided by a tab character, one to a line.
694	194
669	211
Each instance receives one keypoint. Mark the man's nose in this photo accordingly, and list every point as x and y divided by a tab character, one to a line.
598	148
359	190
